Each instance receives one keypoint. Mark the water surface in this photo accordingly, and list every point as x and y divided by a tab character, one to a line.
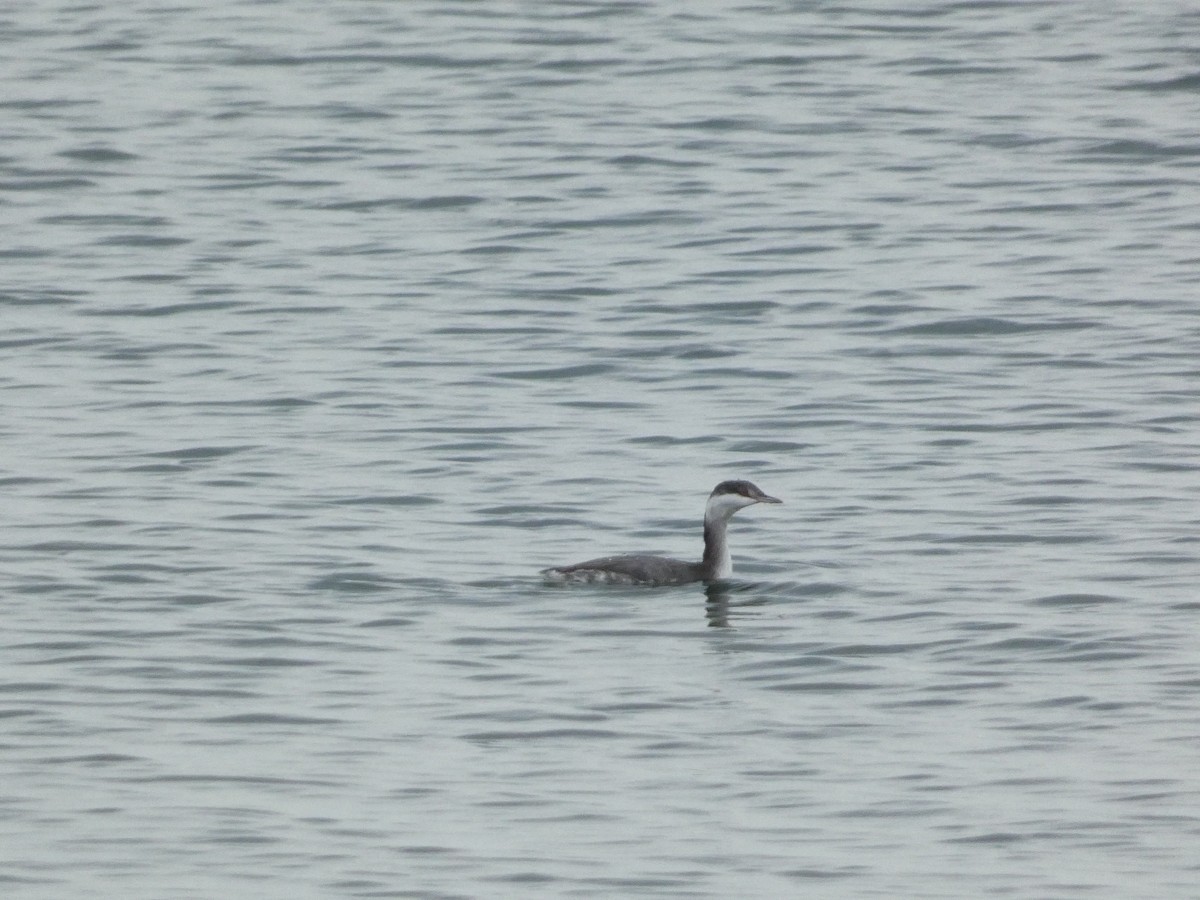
325	326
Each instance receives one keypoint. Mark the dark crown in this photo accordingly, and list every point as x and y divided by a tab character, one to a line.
744	488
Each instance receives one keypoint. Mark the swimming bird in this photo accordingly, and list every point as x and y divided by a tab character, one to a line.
726	499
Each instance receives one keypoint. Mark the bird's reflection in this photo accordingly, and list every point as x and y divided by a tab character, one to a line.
720	607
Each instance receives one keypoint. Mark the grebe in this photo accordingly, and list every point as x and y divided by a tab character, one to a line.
726	499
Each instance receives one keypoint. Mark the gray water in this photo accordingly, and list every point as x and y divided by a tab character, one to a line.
325	326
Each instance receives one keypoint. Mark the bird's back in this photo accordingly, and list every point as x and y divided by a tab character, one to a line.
634	569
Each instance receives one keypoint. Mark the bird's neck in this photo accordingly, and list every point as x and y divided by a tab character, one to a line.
717	562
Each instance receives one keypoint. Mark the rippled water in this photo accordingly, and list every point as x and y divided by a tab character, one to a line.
327	325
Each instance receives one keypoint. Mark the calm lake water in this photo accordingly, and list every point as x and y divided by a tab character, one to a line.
325	326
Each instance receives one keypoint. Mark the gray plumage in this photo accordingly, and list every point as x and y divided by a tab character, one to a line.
634	568
726	499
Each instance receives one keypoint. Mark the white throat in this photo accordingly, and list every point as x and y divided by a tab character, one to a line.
721	506
717	513
717	549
